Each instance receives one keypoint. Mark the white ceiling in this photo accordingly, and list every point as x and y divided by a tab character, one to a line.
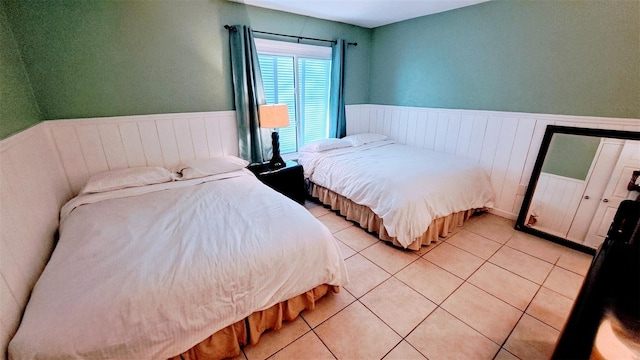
365	13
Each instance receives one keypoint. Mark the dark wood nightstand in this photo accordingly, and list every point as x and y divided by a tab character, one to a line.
288	180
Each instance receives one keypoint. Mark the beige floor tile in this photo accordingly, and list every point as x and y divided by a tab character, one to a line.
499	220
328	306
334	222
504	285
426	248
564	282
319	211
522	264
535	246
474	243
308	347
532	339
356	333
398	305
389	257
404	351
274	340
575	261
492	227
429	280
377	323
442	336
454	260
550	307
487	314
356	238
363	275
346	251
505	355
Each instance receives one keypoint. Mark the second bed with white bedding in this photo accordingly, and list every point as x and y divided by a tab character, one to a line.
406	187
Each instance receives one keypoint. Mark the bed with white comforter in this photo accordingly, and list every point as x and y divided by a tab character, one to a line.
148	272
407	187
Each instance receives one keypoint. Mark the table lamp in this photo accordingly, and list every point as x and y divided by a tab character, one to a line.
274	116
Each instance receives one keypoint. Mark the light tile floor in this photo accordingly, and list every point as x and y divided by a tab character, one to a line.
487	291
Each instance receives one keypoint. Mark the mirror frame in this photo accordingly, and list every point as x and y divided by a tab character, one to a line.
544	148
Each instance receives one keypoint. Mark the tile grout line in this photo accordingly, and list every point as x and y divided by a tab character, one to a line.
501	346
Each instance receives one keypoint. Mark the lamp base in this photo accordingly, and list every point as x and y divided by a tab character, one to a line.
276	161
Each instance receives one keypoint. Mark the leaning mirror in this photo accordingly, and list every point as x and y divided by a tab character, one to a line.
579	179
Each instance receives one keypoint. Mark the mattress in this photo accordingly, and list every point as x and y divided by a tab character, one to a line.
406	187
150	272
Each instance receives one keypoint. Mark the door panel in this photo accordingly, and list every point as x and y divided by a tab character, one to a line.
615	193
597	181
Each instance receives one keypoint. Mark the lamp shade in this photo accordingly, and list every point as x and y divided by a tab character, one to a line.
274	116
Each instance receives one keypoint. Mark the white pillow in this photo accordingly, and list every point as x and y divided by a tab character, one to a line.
325	144
125	178
361	139
198	168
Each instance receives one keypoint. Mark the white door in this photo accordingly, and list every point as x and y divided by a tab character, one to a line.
597	182
614	194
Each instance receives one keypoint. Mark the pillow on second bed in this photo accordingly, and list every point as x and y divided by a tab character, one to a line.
192	169
325	144
125	178
361	139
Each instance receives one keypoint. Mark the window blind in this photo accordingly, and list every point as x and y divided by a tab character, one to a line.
301	79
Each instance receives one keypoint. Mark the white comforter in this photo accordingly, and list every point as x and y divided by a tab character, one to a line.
151	275
407	187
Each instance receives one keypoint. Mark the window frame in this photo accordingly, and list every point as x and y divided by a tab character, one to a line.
295	50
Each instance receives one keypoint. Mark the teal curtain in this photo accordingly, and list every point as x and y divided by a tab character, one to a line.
337	117
253	141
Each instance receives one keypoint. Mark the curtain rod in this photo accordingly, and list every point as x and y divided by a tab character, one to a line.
233	28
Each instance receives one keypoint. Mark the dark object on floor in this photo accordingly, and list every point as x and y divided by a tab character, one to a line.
605	319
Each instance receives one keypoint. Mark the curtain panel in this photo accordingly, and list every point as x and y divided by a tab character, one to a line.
254	145
337	117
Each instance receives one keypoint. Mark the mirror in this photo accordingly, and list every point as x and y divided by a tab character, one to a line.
580	177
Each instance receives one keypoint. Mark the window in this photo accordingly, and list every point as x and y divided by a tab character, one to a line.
298	75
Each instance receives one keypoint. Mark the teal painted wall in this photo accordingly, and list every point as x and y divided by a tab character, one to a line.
110	58
18	107
570	155
554	57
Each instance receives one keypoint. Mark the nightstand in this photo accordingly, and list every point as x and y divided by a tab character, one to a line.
288	180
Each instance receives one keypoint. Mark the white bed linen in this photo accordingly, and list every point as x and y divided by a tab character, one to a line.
151	275
407	187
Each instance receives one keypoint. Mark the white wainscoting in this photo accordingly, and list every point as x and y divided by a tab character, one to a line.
506	144
551	191
32	189
90	146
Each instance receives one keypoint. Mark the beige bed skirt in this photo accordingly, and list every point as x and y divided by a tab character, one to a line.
440	227
226	343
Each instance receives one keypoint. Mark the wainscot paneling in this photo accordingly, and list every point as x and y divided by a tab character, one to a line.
506	144
551	190
33	187
90	146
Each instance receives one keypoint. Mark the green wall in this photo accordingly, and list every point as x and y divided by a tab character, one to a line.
75	58
570	155
555	57
110	58
18	107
